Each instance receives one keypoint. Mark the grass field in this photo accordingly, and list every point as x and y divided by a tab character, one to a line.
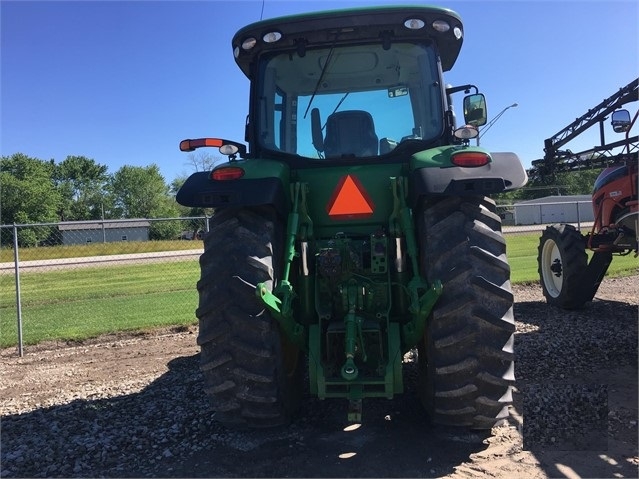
97	249
80	303
522	256
86	302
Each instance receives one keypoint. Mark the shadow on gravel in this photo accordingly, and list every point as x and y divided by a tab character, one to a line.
395	440
122	436
577	387
575	370
392	442
167	430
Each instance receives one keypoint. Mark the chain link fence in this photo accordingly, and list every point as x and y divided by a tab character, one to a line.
73	280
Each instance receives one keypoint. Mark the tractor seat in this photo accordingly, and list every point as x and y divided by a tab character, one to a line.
350	133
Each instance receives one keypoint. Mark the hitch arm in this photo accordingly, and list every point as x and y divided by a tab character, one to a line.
279	302
423	295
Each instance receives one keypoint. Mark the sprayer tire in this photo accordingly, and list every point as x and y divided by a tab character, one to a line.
251	371
466	358
562	263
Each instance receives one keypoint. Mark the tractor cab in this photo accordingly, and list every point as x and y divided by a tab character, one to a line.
340	91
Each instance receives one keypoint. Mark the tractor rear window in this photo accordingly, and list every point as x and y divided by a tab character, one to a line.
349	101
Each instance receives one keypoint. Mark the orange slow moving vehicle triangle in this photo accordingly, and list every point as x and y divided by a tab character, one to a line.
349	200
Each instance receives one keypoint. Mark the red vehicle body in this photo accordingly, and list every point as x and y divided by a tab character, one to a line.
614	200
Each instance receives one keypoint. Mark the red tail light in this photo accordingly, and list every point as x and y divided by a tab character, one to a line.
227	173
470	159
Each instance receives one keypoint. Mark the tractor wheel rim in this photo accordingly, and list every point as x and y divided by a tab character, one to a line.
551	256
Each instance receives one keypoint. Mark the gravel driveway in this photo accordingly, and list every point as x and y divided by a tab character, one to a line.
125	406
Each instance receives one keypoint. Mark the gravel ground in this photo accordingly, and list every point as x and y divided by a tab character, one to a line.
133	406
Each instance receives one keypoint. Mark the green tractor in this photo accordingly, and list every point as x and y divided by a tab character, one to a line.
356	227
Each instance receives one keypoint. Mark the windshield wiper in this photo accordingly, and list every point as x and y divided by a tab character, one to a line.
321	77
338	105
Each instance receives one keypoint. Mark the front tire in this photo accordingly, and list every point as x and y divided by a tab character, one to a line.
250	369
562	263
466	360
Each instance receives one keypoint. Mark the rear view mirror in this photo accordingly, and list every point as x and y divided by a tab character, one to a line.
316	130
620	121
475	109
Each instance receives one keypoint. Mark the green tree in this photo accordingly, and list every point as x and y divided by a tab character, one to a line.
138	192
28	195
194	225
82	184
176	184
579	182
141	192
567	183
166	229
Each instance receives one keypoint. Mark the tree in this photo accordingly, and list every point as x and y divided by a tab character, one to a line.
566	183
177	183
195	225
138	192
141	192
28	195
202	161
164	230
579	182
82	183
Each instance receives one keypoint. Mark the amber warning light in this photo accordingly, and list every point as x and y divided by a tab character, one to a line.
190	145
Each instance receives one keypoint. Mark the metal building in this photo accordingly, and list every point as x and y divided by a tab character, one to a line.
80	232
554	209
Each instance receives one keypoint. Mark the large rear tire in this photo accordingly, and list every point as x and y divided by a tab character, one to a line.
251	371
562	263
466	360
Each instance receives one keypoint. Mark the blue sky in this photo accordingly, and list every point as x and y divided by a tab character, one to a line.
123	82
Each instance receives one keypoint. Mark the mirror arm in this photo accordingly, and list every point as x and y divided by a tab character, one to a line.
464	88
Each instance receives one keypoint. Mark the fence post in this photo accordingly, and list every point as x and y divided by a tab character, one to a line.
541	215
17	276
578	217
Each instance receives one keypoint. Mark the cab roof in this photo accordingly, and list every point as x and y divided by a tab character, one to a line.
357	25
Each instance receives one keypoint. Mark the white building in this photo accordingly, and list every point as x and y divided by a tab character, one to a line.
554	209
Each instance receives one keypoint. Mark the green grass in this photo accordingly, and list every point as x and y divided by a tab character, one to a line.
522	256
87	302
96	249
